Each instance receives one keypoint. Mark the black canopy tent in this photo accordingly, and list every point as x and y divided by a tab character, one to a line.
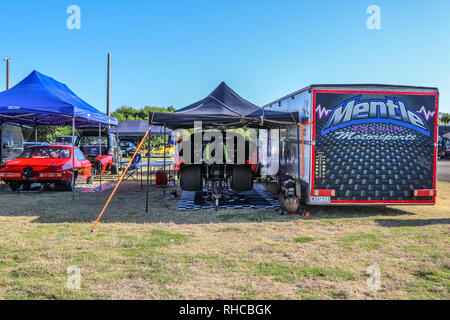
39	100
138	128
222	108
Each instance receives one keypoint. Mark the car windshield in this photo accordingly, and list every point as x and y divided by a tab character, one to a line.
46	152
92	141
446	142
67	140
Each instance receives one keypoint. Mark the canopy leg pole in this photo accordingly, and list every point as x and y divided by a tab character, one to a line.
164	158
100	151
148	169
1	142
119	156
73	158
298	150
279	150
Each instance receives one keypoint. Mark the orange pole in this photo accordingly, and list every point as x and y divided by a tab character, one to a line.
303	152
303	146
121	178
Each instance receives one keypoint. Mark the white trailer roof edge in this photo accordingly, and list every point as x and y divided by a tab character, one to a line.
356	87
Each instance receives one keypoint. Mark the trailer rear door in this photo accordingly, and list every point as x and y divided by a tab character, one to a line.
376	147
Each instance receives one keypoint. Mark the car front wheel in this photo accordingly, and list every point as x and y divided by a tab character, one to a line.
66	186
14	186
69	185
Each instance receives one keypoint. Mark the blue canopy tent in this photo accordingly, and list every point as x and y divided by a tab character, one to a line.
223	107
39	100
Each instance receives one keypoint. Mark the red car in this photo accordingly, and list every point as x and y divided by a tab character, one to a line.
45	167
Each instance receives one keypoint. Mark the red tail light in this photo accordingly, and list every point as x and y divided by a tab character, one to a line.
424	193
323	192
10	174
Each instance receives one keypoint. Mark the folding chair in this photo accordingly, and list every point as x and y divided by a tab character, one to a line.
133	170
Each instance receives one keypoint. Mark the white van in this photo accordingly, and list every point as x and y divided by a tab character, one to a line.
11	142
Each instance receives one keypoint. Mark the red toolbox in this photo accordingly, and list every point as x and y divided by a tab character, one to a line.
161	178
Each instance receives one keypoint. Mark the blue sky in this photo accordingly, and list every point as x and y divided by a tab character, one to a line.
175	52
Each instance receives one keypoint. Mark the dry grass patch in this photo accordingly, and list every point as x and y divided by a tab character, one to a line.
228	254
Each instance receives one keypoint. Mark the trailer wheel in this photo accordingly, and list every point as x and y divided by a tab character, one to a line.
191	178
241	178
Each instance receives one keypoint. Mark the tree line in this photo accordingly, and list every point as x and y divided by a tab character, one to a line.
445	119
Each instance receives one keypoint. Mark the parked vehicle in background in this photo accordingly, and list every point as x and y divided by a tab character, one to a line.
132	140
443	141
34	144
445	146
64	140
127	148
11	142
158	151
111	154
47	167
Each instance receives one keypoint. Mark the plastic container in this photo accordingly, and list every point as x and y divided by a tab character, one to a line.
161	178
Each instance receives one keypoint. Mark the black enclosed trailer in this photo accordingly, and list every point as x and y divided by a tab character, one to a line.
358	144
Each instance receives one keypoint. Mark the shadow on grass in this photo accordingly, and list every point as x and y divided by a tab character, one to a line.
128	206
411	222
339	212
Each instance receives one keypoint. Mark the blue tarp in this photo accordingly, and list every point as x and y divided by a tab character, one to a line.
222	107
41	100
138	128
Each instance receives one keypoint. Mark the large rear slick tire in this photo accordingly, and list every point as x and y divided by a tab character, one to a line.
191	178
241	178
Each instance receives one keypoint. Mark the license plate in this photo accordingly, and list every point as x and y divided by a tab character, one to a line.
320	199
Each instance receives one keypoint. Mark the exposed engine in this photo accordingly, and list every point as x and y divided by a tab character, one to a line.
216	182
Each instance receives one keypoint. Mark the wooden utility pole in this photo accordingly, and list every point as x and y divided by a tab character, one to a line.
108	87
7	72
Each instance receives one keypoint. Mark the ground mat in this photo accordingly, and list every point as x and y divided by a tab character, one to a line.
257	198
94	187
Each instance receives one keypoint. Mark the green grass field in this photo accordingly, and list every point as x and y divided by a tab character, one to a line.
228	254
